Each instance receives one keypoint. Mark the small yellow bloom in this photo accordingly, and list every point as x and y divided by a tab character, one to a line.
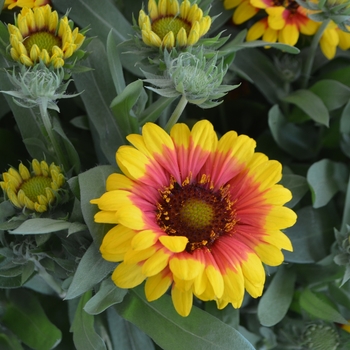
39	35
169	24
10	4
36	190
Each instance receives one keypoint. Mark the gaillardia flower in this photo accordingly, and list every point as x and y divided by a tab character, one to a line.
10	4
36	190
39	35
286	18
195	213
169	24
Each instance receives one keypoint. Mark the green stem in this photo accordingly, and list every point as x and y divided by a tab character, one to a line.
48	279
311	56
346	212
45	117
176	114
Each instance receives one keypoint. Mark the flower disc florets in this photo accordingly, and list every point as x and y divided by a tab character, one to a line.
170	24
320	337
35	191
39	35
193	76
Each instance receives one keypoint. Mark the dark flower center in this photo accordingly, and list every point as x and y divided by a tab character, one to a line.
195	210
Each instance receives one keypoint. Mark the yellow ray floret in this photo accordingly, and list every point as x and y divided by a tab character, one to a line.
39	35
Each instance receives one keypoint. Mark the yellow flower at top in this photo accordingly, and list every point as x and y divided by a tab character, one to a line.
194	213
35	191
286	19
333	37
10	4
39	35
169	24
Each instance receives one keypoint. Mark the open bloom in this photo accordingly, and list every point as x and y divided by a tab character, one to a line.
287	18
36	190
195	213
39	35
244	10
10	4
170	24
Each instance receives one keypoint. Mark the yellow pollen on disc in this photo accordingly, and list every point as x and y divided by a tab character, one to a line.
165	25
44	40
35	187
196	213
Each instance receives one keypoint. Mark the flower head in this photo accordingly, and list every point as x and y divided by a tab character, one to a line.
190	74
286	19
38	86
35	191
320	337
10	4
39	35
194	213
170	24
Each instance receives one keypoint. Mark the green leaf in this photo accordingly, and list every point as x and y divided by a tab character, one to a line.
160	321
98	92
126	336
115	66
8	341
84	334
300	142
314	228
333	93
345	120
11	282
152	113
92	185
326	178
275	302
91	270
109	294
26	122
122	107
297	185
25	317
259	68
41	225
318	308
311	104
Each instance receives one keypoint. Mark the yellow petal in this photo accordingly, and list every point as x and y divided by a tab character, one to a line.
128	276
175	244
156	263
156	286
185	268
144	239
182	301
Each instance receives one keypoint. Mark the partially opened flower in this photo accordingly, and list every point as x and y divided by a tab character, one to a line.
39	35
10	4
191	75
34	190
169	24
194	213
